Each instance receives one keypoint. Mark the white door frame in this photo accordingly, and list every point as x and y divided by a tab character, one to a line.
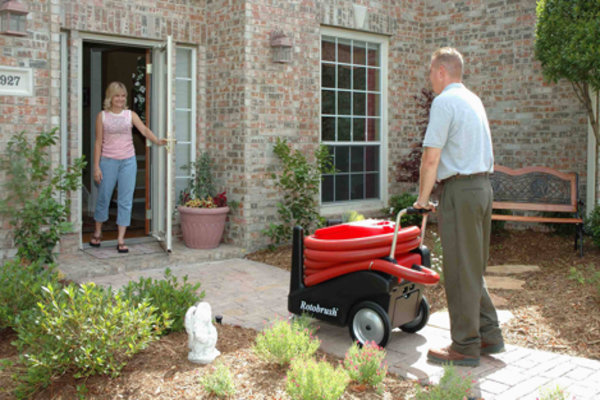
162	124
110	40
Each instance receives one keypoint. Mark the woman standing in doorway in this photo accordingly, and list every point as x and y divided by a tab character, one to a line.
115	162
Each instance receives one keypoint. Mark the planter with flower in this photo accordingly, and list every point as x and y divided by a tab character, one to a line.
203	212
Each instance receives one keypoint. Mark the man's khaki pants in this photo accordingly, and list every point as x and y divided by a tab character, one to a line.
465	223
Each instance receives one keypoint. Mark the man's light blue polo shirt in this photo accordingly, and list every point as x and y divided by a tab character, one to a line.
459	126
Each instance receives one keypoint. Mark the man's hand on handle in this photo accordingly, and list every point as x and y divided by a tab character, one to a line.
424	205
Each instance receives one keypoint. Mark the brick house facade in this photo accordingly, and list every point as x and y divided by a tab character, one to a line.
242	101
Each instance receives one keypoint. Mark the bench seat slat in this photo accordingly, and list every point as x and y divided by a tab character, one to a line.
524	218
505	205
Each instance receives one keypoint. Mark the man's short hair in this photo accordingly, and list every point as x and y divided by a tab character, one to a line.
451	59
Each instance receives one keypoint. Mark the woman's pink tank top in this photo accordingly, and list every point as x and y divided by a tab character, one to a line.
117	140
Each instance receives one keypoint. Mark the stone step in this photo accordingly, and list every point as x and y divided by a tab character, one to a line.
504	282
512	269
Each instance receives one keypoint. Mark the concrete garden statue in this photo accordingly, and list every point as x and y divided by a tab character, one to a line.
202	334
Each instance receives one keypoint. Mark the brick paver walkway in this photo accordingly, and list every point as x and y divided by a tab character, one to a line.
250	294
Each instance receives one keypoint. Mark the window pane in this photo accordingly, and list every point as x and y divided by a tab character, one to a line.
359	78
373	55
344	129
344	76
328	129
357	186
373	78
182	158
341	187
344	101
327	189
183	96
360	52
351	110
359	103
328	49
372	186
180	185
372	158
183	132
373	108
328	102
358	134
372	129
183	67
328	75
344	51
342	163
357	162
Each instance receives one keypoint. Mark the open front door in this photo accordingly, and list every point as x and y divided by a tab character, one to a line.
162	125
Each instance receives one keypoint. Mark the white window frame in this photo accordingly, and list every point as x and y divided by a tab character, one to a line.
372	204
180	174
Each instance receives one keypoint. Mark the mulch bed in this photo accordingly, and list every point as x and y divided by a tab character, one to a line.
552	312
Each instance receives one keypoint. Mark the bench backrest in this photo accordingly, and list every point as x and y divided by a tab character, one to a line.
534	189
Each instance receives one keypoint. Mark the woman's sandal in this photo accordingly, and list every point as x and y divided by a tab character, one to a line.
95	241
121	248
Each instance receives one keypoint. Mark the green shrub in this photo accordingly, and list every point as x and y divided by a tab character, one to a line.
592	225
308	379
85	331
399	202
452	386
352	216
219	382
21	288
589	275
35	194
170	297
284	341
366	364
299	180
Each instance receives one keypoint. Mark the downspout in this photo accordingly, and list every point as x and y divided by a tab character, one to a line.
592	160
63	102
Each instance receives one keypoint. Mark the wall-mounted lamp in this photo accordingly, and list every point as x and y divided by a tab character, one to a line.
282	47
13	18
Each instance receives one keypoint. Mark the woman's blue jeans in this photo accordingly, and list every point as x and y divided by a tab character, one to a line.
123	173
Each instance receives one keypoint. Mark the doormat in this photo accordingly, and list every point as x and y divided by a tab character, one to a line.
110	251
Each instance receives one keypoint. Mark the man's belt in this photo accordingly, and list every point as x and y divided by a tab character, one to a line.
464	176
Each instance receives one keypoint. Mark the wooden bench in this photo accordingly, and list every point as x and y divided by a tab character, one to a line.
538	189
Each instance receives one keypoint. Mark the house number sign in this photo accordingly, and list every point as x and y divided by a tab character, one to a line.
15	81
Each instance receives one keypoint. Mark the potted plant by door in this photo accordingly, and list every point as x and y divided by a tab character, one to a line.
203	212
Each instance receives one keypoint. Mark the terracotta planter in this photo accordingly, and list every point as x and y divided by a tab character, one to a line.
202	227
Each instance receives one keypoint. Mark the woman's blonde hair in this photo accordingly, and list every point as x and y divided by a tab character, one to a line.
112	89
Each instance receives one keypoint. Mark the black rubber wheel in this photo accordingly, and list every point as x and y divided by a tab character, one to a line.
422	317
369	323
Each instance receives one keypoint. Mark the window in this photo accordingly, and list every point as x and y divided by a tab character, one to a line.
352	115
185	116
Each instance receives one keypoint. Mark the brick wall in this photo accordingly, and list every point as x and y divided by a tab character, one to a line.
245	101
532	122
39	112
226	131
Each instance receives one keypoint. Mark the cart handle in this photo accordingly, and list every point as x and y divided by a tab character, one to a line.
408	210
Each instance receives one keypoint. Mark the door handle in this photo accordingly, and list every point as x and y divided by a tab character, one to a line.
170	143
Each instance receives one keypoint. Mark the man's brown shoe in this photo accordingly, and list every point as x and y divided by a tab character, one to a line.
488	348
449	356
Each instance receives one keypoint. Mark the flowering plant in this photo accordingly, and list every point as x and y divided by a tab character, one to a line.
365	364
220	200
200	192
